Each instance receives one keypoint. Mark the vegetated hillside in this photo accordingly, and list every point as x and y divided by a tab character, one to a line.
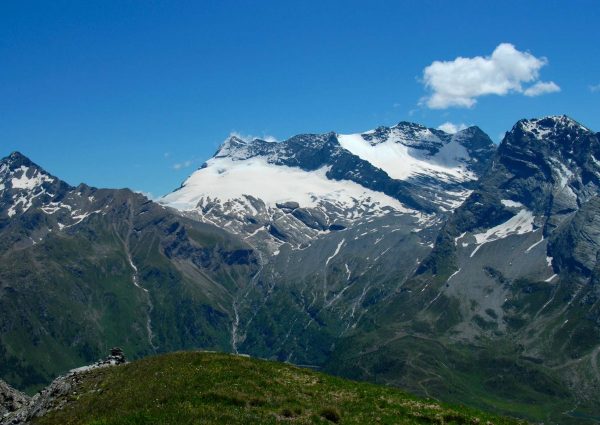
83	269
214	388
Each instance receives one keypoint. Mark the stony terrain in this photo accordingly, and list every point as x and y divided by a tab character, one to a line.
11	400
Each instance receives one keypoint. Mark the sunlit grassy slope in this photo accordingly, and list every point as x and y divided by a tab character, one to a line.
212	388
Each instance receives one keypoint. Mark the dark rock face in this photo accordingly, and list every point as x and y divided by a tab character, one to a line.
314	219
576	248
544	160
288	206
11	400
548	166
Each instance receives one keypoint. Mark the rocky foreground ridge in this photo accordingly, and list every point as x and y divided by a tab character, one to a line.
18	408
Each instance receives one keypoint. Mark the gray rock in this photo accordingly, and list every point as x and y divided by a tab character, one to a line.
55	395
11	400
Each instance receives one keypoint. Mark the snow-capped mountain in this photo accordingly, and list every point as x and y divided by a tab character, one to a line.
544	173
515	270
37	203
30	195
402	254
309	185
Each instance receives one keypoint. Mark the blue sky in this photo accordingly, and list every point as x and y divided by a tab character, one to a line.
139	93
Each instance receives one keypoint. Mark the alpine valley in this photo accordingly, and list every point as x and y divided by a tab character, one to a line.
438	263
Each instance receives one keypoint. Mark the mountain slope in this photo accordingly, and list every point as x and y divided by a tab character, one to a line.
84	268
218	388
469	273
508	296
336	203
294	191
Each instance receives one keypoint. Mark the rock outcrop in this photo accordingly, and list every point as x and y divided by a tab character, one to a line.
11	400
22	409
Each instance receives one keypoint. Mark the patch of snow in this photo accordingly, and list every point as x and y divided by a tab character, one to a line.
401	161
551	278
541	132
337	250
456	239
519	224
79	217
24	182
453	274
535	244
511	204
348	272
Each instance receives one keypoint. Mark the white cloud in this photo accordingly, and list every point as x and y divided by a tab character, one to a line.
595	88
461	81
541	87
181	165
451	128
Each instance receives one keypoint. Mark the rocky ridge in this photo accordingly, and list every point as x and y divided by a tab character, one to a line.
54	396
296	191
511	281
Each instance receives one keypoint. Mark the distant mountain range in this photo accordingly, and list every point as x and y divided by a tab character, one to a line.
432	261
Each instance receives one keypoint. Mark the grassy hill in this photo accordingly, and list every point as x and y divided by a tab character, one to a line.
212	388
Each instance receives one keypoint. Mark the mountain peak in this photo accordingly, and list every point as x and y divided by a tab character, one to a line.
231	144
22	173
549	126
408	124
15	160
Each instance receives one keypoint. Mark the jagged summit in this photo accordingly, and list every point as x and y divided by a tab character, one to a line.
21	177
334	179
15	160
559	142
410	150
550	127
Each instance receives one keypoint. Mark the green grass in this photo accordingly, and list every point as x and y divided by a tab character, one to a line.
494	377
211	388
